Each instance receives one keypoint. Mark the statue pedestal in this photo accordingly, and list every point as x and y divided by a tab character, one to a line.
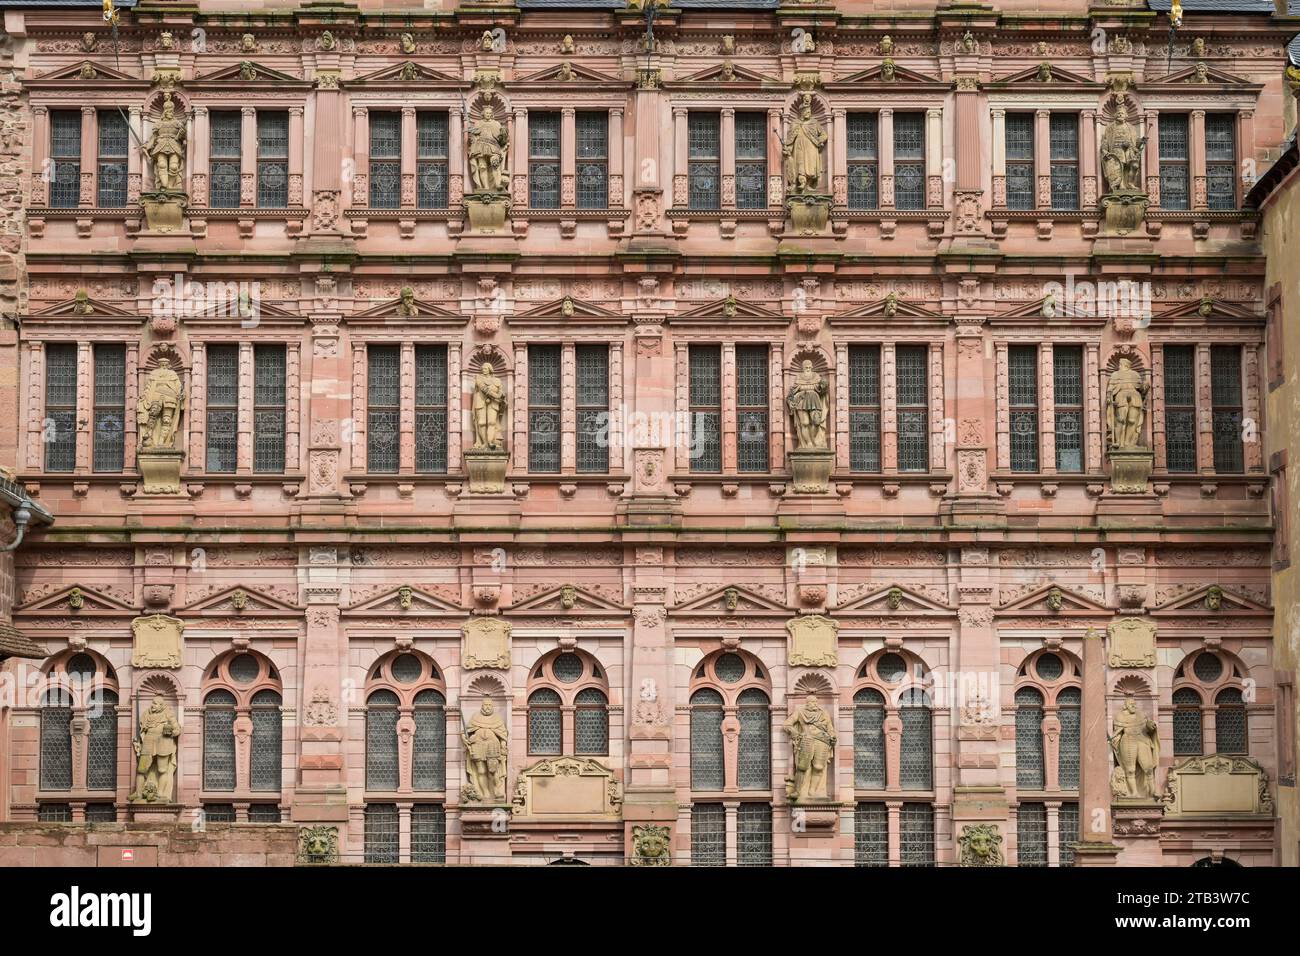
155	812
814	819
486	471
164	211
161	471
1092	853
487	211
1130	470
811	468
1136	826
1122	212
485	821
809	213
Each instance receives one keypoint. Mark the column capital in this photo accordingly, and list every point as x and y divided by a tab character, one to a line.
248	110
887	111
1198	114
40	110
1043	114
293	110
568	111
616	111
679	112
359	111
408	111
998	113
88	111
934	111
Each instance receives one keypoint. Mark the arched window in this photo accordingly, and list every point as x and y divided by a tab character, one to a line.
1210	682
429	761
219	740
730	688
707	771
405	694
1069	703
242	695
101	753
915	759
869	739
79	684
1048	691
56	740
1189	736
568	705
267	744
889	691
1230	722
754	757
381	740
1029	739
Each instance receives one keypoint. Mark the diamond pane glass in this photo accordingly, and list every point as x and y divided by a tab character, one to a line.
224	134
219	813
916	834
381	741
1188	734
1020	136
1049	666
1067	379
869	740
1029	739
544	160
545	730
916	763
706	740
871	835
272	159
1207	668
591	722
407	669
267	741
592	129
703	168
891	668
244	669
1022	371
429	758
754	834
751	160
1031	834
909	185
705	403
431	408
219	741
708	834
60	407
593	408
1225	386
863	150
383	417
1180	410
1064	132
263	813
864	407
1067	829
1068	702
428	833
1230	722
729	668
1221	160
101	748
431	166
754	755
385	184
1020	185
56	744
381	834
110	406
268	407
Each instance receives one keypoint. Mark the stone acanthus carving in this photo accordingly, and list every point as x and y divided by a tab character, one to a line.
318	844
980	845
489	407
1126	394
807	403
1121	153
488	146
155	755
651	846
166	148
157	641
321	710
485	739
802	148
158	411
1135	743
812	741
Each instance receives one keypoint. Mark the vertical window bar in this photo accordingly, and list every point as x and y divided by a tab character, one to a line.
1022	366
65	157
383	415
863	134
385	160
593	159
1225	392
110	406
544	160
704	166
272	158
223	407
1180	406
864	408
1221	160
593	408
268	408
1063	129
912	363
706	407
431	172
224	134
544	408
1067	387
431	408
1174	178
751	160
1020	160
909	160
751	408
114	142
60	430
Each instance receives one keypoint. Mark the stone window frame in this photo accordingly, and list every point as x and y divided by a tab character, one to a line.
1042	107
541	677
84	702
917	678
379	678
757	677
217	677
199	147
726	108
934	108
1027	676
1234	676
1240	103
1053	834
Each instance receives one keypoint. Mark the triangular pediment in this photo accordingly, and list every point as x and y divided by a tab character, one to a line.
404	600
1052	598
74	72
1189	74
893	599
1033	76
235	309
888	308
74	307
574	73
565	599
569	308
239	599
1058	310
403	73
732	599
731	308
1202	601
392	309
248	71
76	599
874	74
719	73
1216	309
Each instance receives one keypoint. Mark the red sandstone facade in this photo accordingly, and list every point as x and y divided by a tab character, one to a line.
326	547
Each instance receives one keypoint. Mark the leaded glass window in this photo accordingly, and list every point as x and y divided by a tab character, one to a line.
219	741
1031	834
751	408
915	763
429	756
381	833
56	740
383	413
428	833
567	668
592	132
114	143
871	835
708	834
544	160
754	755
909	160
1230	722
101	746
264	770
1207	668
706	740
268	407
754	834
1067	831
706	407
54	813
864	407
385	160
544	408
1067	385
591	722
223	407
101	813
1022	370
1180	406
1174	178
704	166
916	834
863	134
545	723
869	740
751	160
1049	666
110	406
272	158
224	142
381	741
1068	703
1225	391
406	669
65	157
431	408
730	668
1189	738
913	411
263	813
244	668
60	407
218	813
1221	160
1029	740
593	408
1020	160
431	172
1063	130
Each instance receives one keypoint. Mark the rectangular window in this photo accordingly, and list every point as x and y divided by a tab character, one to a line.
751	408
218	813
1067	386
593	159
909	160
916	836
544	160
264	813
268	408
1221	160
754	834
704	169
1020	160
54	813
1225	397
431	408
381	833
65	158
871	835
863	134
1174	178
1063	131
383	415
751	160
1031	834
544	408
223	407
1022	372
224	135
385	160
110	406
913	408
708	834
593	408
60	430
706	407
114	144
431	160
101	813
272	158
1067	831
864	407
1180	407
428	833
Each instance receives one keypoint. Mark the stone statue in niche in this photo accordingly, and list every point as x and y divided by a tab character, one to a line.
803	151
155	752
485	756
807	403
158	411
488	145
1126	394
812	738
166	149
1121	153
489	407
1135	743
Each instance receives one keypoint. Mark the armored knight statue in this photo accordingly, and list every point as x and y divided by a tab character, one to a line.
155	751
1121	153
813	740
158	411
489	408
1136	746
488	145
166	149
485	755
803	151
807	404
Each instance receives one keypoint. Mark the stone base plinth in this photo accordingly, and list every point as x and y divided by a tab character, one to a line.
487	511
485	821
486	471
808	214
1121	510
487	212
1136	825
155	812
164	211
1123	212
1095	853
981	509
1130	470
811	468
161	471
814	819
809	511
